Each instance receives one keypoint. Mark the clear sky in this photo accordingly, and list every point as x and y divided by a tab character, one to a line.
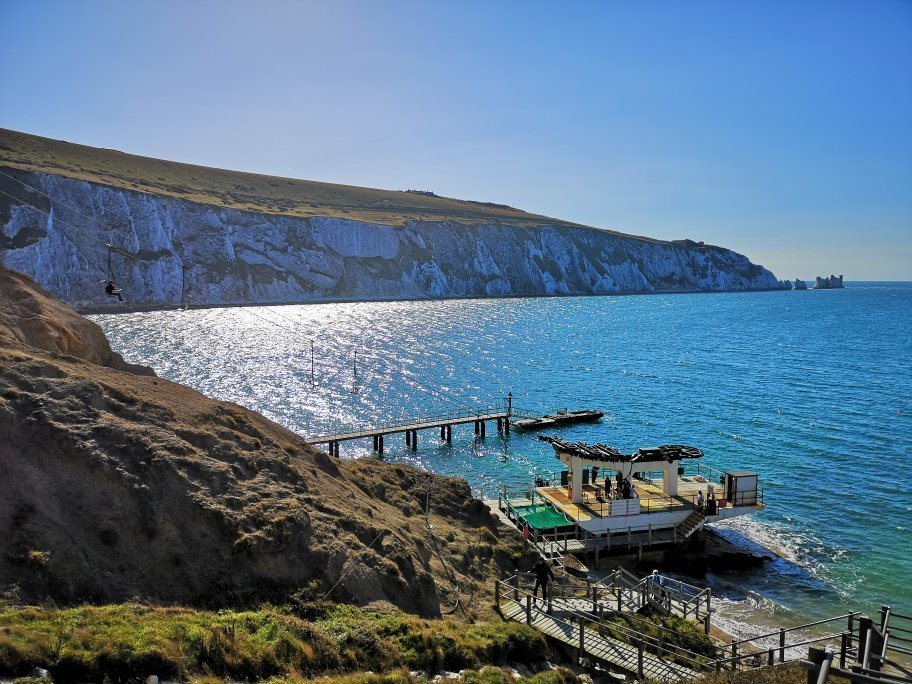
782	130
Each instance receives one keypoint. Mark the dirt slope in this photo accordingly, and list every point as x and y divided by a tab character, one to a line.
32	317
116	486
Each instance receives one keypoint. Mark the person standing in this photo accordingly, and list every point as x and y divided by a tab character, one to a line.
543	575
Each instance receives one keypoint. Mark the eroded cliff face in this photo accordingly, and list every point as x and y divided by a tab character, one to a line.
232	256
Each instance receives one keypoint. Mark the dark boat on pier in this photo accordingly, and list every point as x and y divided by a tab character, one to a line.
558	419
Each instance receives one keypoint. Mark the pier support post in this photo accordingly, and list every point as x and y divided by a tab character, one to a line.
482	428
442	432
506	425
376	444
500	424
449	434
380	443
414	440
475	423
408	438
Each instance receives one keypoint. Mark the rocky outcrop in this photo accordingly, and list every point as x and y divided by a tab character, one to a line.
116	486
30	317
167	246
830	283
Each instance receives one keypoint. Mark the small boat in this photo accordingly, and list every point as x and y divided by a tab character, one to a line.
557	419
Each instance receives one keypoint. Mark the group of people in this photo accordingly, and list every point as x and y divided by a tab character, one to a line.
703	503
623	488
544	574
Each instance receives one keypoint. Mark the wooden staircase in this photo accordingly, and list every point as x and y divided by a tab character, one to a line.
691	524
594	644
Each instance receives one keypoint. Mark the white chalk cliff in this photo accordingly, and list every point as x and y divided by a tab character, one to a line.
234	256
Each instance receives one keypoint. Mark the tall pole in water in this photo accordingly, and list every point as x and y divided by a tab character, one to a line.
355	364
184	268
312	377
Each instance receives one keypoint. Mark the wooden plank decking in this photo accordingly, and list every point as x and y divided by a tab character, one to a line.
424	425
596	646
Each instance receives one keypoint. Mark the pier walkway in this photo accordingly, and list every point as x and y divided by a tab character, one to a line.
480	415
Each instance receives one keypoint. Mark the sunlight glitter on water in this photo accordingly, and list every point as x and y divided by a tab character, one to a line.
802	387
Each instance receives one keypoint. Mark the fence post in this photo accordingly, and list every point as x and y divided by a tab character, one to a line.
661	640
706	624
594	599
497	593
771	658
618	590
864	634
528	609
640	658
843	647
734	655
781	645
516	587
825	665
582	638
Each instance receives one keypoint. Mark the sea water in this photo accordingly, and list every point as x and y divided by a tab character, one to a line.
810	389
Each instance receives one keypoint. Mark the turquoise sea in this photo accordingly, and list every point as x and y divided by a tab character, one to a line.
811	389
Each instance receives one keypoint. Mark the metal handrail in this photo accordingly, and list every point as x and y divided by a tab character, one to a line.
699	661
648	505
794	629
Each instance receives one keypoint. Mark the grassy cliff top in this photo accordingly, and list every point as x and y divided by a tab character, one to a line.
249	191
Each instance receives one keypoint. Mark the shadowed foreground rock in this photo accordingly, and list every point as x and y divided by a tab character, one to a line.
116	486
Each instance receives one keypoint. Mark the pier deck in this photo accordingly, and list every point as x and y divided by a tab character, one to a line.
438	422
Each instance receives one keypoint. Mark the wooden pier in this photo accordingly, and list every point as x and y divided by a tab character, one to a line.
479	416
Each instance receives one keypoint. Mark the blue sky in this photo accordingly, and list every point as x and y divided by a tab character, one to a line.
782	130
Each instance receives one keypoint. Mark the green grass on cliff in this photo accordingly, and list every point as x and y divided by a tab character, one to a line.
127	641
247	191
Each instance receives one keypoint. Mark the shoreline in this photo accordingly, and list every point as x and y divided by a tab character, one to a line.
97	309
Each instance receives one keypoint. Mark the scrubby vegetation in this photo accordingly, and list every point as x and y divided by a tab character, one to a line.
791	673
125	641
677	633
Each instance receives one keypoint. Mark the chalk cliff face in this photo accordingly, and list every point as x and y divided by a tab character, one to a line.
227	255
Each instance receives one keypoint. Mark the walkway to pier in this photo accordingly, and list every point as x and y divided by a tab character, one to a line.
445	422
596	639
